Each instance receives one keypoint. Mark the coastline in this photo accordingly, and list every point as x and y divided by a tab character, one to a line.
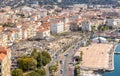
99	72
112	62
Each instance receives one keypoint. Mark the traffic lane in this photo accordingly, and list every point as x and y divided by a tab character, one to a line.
69	57
70	52
66	62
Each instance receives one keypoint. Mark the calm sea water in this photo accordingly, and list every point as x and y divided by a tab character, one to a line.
116	71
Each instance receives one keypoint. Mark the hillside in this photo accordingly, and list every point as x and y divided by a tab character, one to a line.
15	3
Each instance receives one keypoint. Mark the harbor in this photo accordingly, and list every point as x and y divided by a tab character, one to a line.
116	70
117	52
98	58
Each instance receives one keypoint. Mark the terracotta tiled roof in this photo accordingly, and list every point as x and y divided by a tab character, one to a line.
1	29
3	52
19	24
2	56
42	29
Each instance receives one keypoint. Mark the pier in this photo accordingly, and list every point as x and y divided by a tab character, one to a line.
116	52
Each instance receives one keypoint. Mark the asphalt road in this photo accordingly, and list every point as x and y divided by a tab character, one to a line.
65	59
56	57
68	60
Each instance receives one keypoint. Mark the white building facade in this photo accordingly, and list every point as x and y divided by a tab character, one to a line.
86	26
42	34
57	27
112	22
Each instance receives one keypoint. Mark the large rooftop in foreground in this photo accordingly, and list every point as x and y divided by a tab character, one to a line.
96	56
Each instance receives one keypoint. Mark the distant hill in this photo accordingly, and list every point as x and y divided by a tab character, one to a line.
16	3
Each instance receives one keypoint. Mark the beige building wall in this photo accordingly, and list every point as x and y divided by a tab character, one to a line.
6	65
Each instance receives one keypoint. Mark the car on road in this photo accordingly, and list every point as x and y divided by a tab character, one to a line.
55	54
55	57
70	63
61	62
73	47
66	55
61	71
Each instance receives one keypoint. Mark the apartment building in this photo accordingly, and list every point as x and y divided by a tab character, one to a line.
42	33
4	39
57	27
112	22
5	61
86	26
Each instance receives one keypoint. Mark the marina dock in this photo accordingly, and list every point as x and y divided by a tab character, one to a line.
116	52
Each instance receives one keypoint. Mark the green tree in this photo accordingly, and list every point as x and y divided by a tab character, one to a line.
53	68
39	60
102	28
43	58
17	72
34	54
45	61
52	75
109	39
106	28
77	70
99	28
46	54
27	63
99	40
41	71
9	24
33	74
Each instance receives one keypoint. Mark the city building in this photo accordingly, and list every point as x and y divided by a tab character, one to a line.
66	24
34	18
86	26
112	22
5	61
42	33
99	40
74	26
16	34
43	13
4	39
59	1
29	29
57	27
24	29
